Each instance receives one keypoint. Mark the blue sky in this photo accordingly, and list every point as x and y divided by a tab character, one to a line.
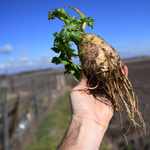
26	34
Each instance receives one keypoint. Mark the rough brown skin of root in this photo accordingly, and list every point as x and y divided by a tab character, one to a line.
103	68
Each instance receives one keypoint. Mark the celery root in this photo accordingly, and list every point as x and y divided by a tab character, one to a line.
100	63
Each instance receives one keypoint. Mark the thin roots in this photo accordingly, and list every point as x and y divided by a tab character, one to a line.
118	87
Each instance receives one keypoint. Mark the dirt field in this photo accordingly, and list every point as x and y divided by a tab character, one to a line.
139	75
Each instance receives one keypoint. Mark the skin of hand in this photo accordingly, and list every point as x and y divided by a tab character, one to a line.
91	113
92	106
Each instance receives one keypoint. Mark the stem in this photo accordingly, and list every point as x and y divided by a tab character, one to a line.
80	13
52	17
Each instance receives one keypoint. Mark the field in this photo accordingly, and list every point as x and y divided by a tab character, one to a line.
139	74
53	126
29	97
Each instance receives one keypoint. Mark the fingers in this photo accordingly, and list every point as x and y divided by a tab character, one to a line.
125	69
82	83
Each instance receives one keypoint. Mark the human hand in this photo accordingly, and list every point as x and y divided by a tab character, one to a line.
92	105
91	113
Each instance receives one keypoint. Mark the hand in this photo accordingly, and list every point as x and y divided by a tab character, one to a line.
91	113
94	106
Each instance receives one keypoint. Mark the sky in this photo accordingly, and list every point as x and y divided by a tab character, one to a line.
26	34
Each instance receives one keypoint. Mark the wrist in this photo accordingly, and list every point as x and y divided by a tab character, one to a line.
89	133
88	122
83	134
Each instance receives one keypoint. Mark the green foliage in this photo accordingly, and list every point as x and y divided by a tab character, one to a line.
72	26
89	21
59	13
71	32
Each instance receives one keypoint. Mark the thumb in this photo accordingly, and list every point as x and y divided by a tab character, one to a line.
125	69
82	83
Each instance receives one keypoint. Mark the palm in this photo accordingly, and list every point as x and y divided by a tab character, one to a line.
95	106
90	105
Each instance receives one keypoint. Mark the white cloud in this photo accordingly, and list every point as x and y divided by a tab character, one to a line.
23	59
2	66
21	48
11	60
45	59
6	48
25	63
133	50
45	56
30	63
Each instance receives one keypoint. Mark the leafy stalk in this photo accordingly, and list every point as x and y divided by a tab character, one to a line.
71	32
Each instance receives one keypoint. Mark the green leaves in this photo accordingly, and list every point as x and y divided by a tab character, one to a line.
76	36
62	46
56	60
73	25
89	21
59	13
75	70
70	32
69	66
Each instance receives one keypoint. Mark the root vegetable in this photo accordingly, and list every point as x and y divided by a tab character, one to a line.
100	63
